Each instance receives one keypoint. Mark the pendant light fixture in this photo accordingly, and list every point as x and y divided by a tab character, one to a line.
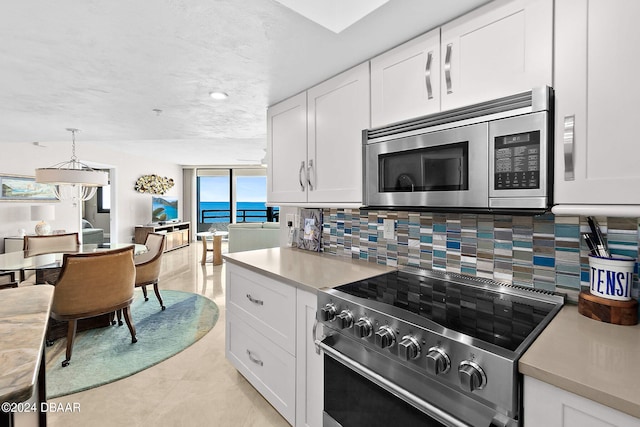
73	179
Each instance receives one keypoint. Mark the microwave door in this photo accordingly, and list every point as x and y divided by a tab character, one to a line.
446	168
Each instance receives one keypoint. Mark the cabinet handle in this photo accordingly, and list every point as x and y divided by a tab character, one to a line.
427	75
447	68
255	301
300	176
568	143
309	172
254	359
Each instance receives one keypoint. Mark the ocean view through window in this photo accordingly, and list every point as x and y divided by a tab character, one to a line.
226	197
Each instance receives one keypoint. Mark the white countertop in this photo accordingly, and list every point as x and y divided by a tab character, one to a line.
305	269
590	358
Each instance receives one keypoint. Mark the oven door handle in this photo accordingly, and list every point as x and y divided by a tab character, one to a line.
392	388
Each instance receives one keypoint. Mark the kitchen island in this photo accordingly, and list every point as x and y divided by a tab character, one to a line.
589	359
271	323
24	313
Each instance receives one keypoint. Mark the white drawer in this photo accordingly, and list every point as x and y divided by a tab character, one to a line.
271	370
265	304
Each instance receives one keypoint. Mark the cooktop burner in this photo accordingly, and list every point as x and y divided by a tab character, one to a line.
487	314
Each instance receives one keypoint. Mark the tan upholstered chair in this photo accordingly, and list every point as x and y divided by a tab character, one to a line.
51	243
148	265
8	280
148	268
36	245
93	284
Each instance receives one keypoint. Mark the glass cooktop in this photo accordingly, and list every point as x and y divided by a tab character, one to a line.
495	317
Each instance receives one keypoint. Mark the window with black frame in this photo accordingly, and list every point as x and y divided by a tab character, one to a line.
103	197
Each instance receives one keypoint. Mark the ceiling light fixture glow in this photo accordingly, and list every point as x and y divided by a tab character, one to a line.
218	95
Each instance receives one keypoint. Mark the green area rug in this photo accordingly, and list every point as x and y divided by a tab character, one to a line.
103	355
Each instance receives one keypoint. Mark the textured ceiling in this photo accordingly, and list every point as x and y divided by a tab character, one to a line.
104	66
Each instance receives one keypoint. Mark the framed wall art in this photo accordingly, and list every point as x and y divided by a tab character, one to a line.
16	188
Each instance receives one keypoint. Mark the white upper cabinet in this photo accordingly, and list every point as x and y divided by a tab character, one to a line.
497	50
337	111
597	93
287	150
314	142
405	81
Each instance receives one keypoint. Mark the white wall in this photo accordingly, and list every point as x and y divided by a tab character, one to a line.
132	208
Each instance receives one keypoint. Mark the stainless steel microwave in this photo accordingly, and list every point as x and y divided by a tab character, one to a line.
492	156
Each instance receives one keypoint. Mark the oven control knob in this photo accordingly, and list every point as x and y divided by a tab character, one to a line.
408	348
345	319
438	361
385	337
328	313
363	327
471	375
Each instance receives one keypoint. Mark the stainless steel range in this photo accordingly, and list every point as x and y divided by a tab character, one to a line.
418	347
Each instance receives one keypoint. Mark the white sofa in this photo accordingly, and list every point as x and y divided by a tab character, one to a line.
248	236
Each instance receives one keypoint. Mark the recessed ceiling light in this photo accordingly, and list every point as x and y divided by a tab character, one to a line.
218	95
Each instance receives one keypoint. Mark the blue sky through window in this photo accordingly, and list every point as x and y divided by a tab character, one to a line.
248	188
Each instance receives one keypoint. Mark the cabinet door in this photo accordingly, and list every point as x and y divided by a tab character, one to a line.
338	111
549	406
287	150
502	48
405	81
597	94
309	364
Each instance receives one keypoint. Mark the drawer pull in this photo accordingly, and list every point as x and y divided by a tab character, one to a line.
254	359
255	301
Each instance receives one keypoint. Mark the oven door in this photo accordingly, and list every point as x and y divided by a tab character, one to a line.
446	168
354	395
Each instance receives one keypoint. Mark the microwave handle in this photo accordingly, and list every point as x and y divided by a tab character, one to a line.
447	68
427	75
569	146
300	176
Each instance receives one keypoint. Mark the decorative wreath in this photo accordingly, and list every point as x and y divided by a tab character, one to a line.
153	184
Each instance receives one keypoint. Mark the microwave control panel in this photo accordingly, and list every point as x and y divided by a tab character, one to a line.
517	161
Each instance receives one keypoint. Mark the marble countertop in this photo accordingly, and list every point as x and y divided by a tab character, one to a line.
24	313
305	269
593	359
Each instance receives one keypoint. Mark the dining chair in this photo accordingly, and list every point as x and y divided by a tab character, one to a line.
37	245
92	284
52	242
8	280
148	265
148	268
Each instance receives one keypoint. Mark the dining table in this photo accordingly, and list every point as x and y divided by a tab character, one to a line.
29	260
47	267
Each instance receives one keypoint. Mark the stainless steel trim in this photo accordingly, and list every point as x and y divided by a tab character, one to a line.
254	359
568	144
537	99
255	301
410	398
313	334
309	171
328	421
427	75
447	68
300	176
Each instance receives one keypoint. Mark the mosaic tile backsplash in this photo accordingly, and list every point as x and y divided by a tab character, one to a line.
542	252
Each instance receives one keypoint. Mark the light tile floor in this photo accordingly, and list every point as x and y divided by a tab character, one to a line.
196	387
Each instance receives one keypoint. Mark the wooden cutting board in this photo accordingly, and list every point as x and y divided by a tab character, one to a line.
608	310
